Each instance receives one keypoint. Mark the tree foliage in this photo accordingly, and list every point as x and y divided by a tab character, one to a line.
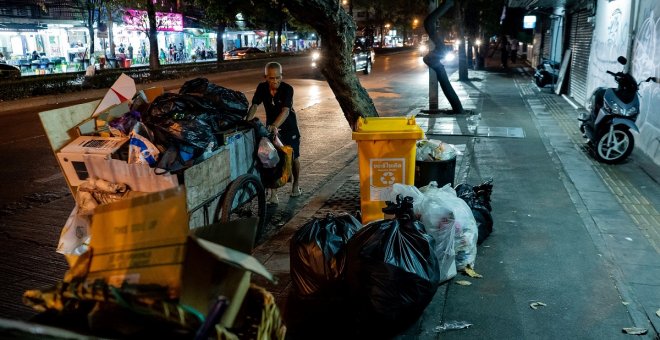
337	31
220	15
90	11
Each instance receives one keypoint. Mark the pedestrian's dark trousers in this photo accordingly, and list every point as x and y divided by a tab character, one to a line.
505	57
514	55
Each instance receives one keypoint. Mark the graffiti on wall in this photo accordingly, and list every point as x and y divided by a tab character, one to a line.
646	63
609	42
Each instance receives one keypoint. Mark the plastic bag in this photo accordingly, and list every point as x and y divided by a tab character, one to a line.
74	238
267	153
391	268
466	233
230	106
122	126
318	254
438	220
435	150
478	199
230	102
281	174
140	149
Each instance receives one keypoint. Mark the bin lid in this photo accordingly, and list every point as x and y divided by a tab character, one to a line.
385	128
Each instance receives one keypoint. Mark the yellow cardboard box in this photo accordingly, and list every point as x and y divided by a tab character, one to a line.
146	240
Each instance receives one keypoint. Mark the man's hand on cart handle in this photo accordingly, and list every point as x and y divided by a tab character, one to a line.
273	129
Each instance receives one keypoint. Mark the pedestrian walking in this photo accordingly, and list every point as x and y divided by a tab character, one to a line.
514	50
504	50
277	98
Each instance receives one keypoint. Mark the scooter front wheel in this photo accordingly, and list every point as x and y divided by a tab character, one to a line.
615	145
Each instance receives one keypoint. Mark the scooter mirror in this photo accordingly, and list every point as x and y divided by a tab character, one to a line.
622	60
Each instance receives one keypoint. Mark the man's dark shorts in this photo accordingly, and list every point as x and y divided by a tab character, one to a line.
292	142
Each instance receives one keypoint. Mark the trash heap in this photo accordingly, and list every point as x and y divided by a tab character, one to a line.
388	270
134	261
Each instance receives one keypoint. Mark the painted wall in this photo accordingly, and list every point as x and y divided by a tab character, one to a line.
646	63
611	40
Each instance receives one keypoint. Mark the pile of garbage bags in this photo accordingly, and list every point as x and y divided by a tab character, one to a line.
176	131
389	270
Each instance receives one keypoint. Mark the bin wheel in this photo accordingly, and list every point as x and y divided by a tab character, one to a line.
245	197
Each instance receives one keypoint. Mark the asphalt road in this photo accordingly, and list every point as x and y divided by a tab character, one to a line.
32	173
35	201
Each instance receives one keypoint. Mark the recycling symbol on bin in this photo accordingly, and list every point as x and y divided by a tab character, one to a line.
387	178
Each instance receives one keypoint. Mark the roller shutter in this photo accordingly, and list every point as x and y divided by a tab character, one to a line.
580	44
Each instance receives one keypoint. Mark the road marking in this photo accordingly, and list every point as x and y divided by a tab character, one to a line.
21	139
49	178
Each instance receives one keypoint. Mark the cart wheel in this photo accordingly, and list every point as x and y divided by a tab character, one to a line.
245	197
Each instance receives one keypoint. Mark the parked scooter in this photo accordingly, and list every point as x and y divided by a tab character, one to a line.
611	115
546	73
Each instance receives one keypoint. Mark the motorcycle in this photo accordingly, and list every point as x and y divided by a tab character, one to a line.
546	73
611	115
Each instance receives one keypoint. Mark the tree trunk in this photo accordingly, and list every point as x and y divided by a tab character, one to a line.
278	38
220	43
90	29
154	62
462	56
337	31
434	58
111	38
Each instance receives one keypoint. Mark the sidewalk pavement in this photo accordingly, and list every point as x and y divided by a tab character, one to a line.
577	235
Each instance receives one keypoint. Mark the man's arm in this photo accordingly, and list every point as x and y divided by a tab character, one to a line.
252	111
281	118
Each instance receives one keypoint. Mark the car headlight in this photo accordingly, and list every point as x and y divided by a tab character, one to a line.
450	56
423	48
316	55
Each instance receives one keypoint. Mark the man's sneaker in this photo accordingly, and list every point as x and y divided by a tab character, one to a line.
273	198
296	192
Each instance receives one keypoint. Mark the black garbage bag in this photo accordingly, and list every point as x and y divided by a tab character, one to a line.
478	199
229	120
195	86
391	268
182	119
229	106
176	106
229	102
318	254
196	131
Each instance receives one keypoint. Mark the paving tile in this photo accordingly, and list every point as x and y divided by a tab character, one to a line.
279	262
642	274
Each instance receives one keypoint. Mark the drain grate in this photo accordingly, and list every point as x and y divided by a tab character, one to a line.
346	199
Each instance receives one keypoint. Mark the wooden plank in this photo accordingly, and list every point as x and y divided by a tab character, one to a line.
206	179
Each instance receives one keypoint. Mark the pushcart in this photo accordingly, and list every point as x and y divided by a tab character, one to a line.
223	187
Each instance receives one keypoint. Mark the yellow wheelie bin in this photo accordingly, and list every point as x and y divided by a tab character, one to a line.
386	152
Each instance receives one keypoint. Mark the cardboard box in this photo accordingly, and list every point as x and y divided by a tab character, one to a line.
146	240
71	156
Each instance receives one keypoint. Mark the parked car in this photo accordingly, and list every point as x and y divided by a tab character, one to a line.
9	71
363	58
242	53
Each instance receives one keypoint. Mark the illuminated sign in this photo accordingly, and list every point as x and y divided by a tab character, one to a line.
138	21
529	21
